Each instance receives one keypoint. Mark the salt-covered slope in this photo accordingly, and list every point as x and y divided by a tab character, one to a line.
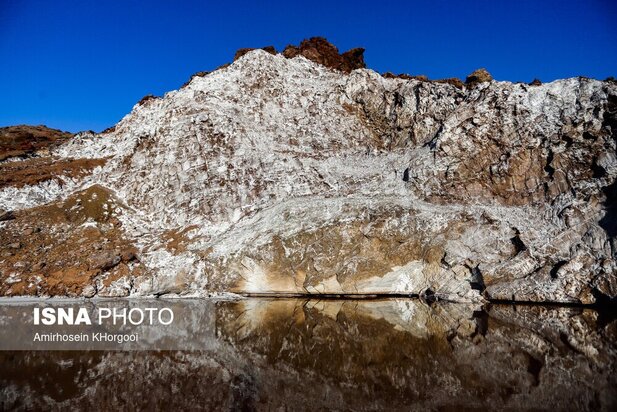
281	175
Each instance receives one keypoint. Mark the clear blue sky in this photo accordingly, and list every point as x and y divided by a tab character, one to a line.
79	65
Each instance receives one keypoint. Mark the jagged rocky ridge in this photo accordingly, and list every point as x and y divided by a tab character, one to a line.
282	175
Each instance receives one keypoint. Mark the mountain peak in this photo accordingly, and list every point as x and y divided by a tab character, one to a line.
321	51
301	172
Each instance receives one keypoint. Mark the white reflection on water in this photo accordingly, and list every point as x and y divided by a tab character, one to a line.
340	354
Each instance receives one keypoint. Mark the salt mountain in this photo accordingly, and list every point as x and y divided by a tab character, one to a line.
282	175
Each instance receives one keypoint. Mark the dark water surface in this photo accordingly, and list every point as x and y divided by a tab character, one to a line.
292	354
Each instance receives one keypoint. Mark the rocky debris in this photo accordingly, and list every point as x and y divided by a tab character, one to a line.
32	171
109	130
128	256
477	77
242	52
147	98
6	215
390	75
405	76
204	73
38	266
105	260
23	141
198	74
452	81
319	50
67	256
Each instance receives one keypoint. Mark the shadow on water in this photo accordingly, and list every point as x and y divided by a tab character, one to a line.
382	354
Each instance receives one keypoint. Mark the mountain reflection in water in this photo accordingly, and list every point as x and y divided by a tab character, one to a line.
391	354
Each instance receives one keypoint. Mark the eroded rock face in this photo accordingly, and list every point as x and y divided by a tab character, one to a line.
328	354
282	175
319	50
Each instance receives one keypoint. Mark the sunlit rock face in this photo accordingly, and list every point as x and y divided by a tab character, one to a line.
280	175
348	355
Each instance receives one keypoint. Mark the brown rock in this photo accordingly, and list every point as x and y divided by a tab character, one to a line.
453	81
321	51
291	51
105	260
25	140
198	74
109	130
15	245
6	215
535	82
203	74
243	51
38	266
478	76
128	256
353	59
405	76
146	99
28	231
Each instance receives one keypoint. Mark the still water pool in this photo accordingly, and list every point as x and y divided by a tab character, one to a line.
387	354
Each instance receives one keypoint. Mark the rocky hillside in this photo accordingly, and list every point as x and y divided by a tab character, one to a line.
300	173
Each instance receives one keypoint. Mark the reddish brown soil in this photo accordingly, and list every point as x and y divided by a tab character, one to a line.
25	140
48	250
35	170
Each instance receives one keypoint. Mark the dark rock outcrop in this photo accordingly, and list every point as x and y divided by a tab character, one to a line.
321	51
147	98
6	215
477	77
243	51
